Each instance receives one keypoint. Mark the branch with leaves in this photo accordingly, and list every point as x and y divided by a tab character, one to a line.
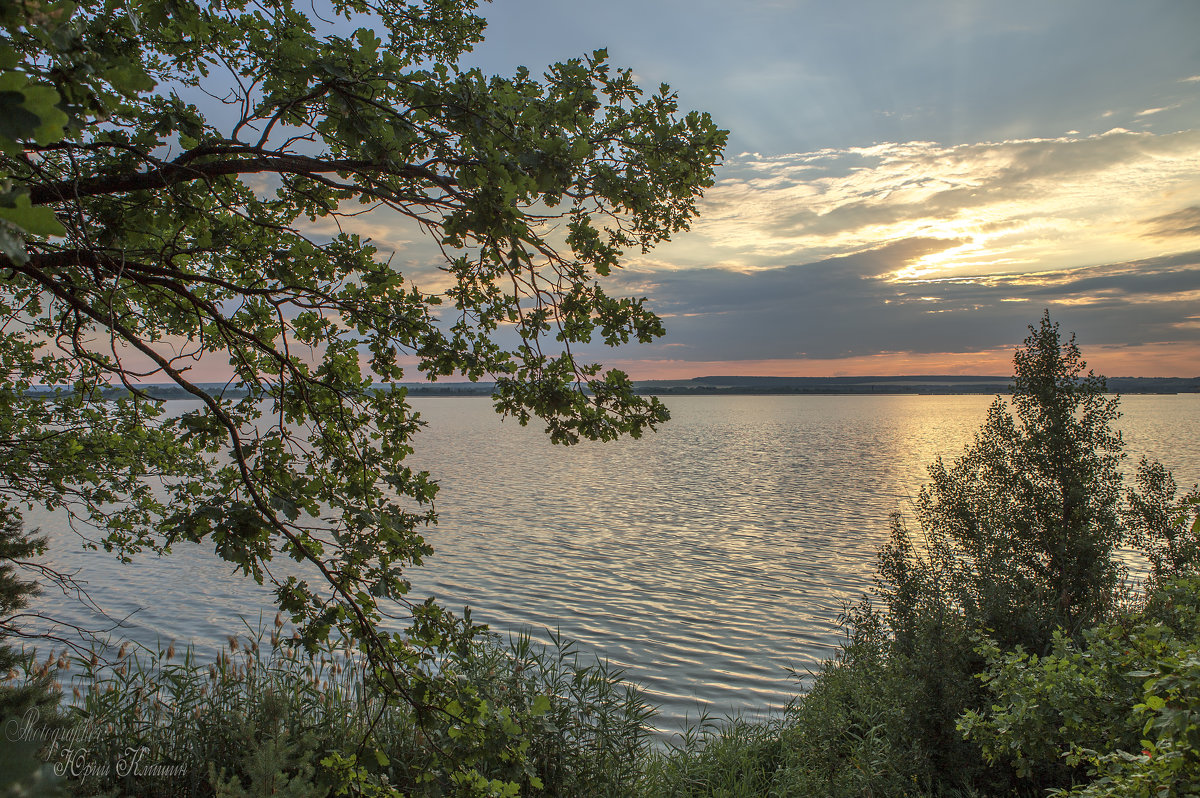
166	169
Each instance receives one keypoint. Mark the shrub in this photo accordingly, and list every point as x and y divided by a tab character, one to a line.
848	735
729	759
1115	714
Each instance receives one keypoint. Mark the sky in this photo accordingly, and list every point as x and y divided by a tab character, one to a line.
908	185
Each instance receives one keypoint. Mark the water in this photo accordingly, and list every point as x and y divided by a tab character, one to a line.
707	559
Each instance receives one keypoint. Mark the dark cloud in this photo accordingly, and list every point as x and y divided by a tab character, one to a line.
847	306
1181	223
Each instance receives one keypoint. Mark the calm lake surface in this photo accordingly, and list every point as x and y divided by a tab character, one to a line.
706	559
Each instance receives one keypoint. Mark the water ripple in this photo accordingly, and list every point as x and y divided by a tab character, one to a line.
706	560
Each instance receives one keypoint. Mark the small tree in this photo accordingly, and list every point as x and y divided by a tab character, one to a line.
1020	530
1018	543
1019	539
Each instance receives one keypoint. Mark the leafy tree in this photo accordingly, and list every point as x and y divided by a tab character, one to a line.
168	168
1020	530
1018	541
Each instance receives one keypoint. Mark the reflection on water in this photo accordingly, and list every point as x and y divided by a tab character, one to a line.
706	559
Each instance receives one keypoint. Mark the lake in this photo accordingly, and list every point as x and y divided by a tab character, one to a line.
706	559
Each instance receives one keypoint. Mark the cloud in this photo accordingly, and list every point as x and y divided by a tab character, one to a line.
1014	205
1185	222
853	307
921	250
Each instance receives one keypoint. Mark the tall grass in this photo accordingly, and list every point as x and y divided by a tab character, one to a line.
268	718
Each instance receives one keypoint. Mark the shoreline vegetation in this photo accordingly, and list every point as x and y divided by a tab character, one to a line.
1004	651
920	384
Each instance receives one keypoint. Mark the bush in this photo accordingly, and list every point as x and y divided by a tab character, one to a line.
1017	541
848	735
728	759
1115	714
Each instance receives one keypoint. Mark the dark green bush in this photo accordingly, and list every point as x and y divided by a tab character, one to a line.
1115	714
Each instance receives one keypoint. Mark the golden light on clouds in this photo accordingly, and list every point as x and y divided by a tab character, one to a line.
1007	206
884	259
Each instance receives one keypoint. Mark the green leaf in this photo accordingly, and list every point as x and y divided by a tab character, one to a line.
28	111
35	220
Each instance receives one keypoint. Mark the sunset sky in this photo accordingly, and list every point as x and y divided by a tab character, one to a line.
908	185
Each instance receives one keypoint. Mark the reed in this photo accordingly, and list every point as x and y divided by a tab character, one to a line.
267	717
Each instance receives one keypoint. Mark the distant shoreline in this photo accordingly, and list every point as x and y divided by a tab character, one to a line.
917	384
938	384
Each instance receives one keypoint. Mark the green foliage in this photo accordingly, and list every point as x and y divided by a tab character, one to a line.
590	731
1020	530
147	234
23	770
845	737
273	765
730	759
1115	714
848	735
270	718
16	548
31	109
30	719
1165	529
1018	539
